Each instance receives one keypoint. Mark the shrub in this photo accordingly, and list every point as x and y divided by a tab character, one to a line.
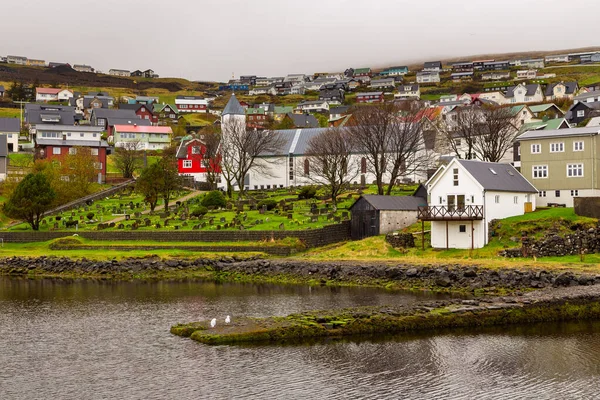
198	211
90	216
58	217
215	198
269	204
307	192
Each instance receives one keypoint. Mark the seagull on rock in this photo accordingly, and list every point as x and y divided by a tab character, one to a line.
227	319
213	322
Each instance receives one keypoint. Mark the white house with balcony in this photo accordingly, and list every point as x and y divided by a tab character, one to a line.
465	195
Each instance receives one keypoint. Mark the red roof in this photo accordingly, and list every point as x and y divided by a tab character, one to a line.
42	90
143	129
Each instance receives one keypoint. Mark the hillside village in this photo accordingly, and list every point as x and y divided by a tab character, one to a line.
537	129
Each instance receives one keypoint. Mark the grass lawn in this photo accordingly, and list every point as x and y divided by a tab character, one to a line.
535	224
111	167
10	113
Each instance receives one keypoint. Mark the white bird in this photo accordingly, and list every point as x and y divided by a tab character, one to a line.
213	322
227	319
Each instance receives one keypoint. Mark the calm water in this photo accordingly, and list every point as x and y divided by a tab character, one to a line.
95	340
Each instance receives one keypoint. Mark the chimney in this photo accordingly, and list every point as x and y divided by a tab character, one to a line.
135	125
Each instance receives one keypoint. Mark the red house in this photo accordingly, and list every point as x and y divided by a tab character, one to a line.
190	160
369	97
56	142
143	111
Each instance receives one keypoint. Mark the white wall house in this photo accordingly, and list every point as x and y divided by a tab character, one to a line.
465	195
428	77
521	93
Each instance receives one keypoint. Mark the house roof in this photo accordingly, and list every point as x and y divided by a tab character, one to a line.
182	149
255	111
550	124
570	88
554	133
497	176
593	93
34	116
10	125
3	146
233	107
71	128
394	203
531	89
304	120
408	88
295	141
432	64
358	71
283	109
112	113
72	143
339	110
143	129
136	107
369	94
42	90
544	107
331	93
111	121
103	99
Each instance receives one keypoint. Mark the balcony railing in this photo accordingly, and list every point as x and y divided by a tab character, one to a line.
445	213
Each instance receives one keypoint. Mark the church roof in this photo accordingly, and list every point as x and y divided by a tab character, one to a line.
234	107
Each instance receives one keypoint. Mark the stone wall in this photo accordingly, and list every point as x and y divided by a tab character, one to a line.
400	240
553	245
310	237
587	206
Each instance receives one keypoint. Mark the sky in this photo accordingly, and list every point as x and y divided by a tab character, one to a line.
217	39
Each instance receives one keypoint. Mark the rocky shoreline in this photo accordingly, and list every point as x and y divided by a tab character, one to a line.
552	304
247	268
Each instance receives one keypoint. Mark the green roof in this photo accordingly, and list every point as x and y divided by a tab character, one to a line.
283	109
541	107
515	109
550	124
362	70
255	110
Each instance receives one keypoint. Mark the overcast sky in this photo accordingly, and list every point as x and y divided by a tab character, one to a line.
213	39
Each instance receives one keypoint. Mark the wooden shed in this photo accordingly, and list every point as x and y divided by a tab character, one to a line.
374	215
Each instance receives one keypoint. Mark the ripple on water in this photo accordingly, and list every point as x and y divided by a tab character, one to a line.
98	340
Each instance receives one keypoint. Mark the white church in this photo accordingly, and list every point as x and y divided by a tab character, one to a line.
289	166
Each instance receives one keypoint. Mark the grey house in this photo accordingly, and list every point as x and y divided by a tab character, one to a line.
374	215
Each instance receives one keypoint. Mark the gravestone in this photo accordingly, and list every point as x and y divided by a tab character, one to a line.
148	222
211	221
111	225
218	227
344	214
121	226
290	216
222	219
281	226
176	227
337	219
195	227
314	218
241	227
166	223
204	225
127	217
157	226
55	226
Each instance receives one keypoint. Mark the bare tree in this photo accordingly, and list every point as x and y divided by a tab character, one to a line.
128	158
406	150
369	133
329	161
241	149
462	128
211	157
497	133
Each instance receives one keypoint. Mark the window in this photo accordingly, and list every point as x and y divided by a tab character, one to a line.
462	228
306	167
363	165
540	171
574	170
98	165
577	146
94	152
536	148
557	147
255	187
542	193
497	199
195	149
557	193
455	176
457	142
574	193
56	150
580	113
72	150
440	199
516	199
187	163
472	199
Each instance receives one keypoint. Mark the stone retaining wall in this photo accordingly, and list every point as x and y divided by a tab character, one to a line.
587	206
310	237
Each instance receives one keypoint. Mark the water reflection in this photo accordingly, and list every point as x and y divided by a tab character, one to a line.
86	339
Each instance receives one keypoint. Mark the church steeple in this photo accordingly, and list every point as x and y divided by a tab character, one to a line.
233	107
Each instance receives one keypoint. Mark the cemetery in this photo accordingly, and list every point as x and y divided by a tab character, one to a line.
260	211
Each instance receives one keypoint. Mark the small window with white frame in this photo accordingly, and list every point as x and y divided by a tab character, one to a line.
539	171
574	193
574	170
94	152
516	199
56	150
542	193
580	113
72	150
536	148
557	147
578	146
187	163
497	199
